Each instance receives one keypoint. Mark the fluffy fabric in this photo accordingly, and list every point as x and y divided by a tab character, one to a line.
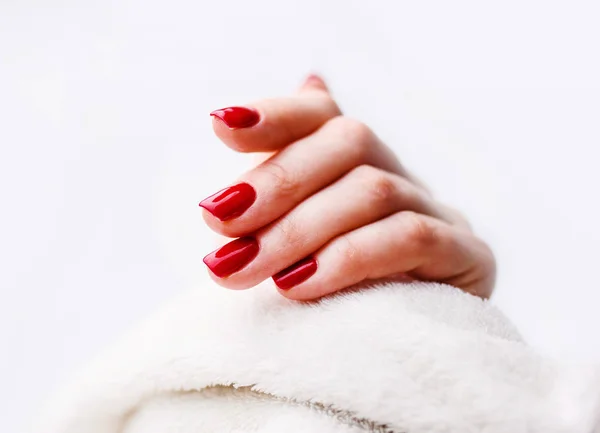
402	358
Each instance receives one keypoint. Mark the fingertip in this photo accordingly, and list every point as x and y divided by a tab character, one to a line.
296	274
299	294
292	294
314	81
237	117
236	125
230	136
210	220
287	294
223	282
226	229
271	124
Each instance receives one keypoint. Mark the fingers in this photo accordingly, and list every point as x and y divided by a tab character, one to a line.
406	243
330	207
295	173
272	124
363	196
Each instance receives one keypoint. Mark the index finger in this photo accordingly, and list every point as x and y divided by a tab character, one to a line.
271	124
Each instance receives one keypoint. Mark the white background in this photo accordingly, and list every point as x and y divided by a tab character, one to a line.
106	148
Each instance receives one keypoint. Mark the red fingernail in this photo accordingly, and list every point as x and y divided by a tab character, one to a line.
232	257
230	202
295	274
237	117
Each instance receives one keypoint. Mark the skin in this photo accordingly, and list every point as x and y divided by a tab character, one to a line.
328	187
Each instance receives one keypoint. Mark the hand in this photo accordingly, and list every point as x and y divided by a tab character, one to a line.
331	207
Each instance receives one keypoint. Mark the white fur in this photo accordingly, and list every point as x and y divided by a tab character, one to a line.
405	358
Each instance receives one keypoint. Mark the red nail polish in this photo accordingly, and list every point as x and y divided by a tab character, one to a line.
232	257
237	117
230	202
295	274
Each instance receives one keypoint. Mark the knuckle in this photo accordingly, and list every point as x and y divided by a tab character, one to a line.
356	129
348	250
382	189
330	105
281	181
420	232
289	233
351	257
454	216
359	150
355	135
379	186
352	128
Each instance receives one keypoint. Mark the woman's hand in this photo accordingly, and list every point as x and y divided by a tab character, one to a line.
331	207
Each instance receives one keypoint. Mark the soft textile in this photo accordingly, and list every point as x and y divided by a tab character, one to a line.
392	357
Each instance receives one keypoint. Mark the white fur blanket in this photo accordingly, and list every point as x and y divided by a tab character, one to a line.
402	358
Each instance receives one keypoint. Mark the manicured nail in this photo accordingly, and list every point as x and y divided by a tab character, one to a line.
232	257
237	117
295	274
230	202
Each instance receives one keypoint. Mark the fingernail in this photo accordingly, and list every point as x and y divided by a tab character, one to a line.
232	257
237	117
314	80
230	202
295	274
